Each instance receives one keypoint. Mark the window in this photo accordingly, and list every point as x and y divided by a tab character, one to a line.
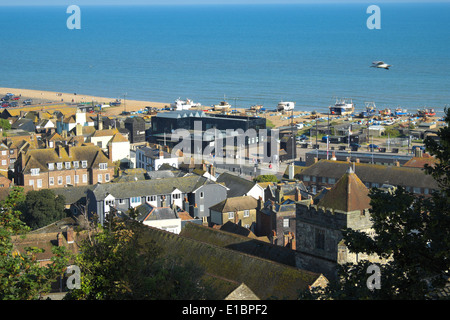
151	198
106	177
60	180
285	223
306	178
31	182
39	183
246	213
103	166
99	177
3	162
201	195
34	171
230	215
331	180
136	200
59	165
67	165
76	179
84	164
109	202
51	166
85	178
76	164
202	207
121	201
3	152
320	239
68	180
51	181
176	196
416	190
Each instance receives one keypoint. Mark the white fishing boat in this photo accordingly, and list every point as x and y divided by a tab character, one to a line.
184	104
285	106
342	107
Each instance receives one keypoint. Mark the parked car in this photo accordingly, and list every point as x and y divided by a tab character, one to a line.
373	146
27	101
354	144
16	98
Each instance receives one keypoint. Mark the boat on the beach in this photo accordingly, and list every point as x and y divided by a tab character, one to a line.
342	107
371	110
184	104
385	112
400	112
223	105
285	106
426	112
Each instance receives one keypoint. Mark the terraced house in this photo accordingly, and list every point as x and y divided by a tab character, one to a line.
193	193
63	166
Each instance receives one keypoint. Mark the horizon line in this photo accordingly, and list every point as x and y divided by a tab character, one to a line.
308	2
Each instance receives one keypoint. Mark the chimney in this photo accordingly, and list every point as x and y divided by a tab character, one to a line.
298	195
110	153
99	122
186	205
79	129
333	156
212	170
260	204
58	151
60	239
70	238
69	151
291	171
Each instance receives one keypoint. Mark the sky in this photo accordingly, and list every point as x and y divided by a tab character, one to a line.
193	2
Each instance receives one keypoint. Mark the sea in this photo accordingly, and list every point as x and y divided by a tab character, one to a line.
311	54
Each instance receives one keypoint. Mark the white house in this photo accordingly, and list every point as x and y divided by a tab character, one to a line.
164	218
152	159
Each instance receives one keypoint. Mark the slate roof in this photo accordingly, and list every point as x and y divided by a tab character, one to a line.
237	186
148	213
123	190
398	176
264	277
347	195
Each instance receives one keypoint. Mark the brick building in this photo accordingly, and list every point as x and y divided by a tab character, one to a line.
63	166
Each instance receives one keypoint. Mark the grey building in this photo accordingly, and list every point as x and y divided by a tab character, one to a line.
192	193
319	226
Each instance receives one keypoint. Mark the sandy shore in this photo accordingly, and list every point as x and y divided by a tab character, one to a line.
42	97
51	96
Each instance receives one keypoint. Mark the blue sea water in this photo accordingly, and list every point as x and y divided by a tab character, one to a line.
249	54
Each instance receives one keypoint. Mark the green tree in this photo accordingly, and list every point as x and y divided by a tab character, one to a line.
42	208
117	262
413	232
21	276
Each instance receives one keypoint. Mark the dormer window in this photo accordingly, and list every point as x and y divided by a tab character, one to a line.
76	164
51	166
59	165
35	171
103	166
84	164
67	165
